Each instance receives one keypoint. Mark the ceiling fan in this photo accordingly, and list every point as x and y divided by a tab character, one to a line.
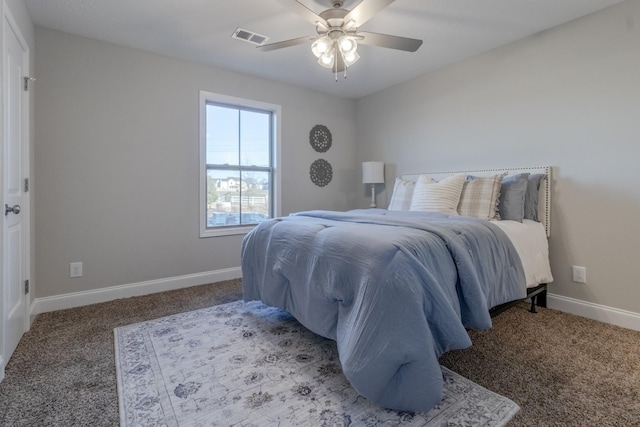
338	37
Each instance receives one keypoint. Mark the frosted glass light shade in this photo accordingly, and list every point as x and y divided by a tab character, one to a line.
373	172
321	46
327	59
347	45
350	59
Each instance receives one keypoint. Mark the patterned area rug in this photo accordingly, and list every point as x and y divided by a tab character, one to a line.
246	364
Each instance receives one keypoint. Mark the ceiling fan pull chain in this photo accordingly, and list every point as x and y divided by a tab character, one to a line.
335	64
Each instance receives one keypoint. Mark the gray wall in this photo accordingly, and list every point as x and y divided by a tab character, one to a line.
117	162
568	97
116	150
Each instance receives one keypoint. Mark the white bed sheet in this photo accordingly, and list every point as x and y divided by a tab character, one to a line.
530	240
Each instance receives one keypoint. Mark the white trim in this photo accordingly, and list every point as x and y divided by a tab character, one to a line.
78	299
1	368
603	313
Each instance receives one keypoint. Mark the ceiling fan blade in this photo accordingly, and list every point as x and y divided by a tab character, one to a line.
285	43
366	10
304	11
391	42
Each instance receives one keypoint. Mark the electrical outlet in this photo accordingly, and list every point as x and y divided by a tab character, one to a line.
75	269
579	274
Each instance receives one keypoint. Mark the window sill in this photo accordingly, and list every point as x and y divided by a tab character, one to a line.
226	231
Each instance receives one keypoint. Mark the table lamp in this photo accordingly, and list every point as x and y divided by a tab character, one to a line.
373	173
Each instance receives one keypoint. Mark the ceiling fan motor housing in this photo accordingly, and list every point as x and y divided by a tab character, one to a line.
334	17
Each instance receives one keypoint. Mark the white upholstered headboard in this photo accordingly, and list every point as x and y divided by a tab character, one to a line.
544	195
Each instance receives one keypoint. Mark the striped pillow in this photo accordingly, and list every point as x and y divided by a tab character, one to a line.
480	196
402	195
442	196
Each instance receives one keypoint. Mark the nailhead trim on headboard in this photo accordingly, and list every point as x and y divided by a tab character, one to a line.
544	203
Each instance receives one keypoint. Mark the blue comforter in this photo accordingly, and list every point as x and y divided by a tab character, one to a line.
395	290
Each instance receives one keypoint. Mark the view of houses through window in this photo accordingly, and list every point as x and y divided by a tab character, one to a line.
238	165
233	201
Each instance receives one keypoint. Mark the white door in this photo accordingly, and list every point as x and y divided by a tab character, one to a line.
15	220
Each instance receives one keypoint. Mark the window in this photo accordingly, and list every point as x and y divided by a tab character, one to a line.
238	176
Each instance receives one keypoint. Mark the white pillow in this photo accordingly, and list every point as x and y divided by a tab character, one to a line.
442	196
401	196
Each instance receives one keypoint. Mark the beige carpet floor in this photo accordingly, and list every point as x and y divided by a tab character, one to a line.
562	370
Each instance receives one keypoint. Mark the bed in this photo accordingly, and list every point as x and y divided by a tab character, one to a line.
398	287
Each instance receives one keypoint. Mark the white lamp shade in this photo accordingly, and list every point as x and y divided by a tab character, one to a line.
350	58
347	45
327	59
372	172
321	46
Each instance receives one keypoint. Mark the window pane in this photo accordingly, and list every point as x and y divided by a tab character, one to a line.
255	138
223	198
222	135
235	201
255	197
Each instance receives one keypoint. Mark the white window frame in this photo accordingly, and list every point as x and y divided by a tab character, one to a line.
206	97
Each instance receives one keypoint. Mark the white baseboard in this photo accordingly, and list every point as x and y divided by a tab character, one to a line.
78	299
1	369
603	313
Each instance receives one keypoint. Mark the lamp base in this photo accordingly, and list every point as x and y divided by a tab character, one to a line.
373	196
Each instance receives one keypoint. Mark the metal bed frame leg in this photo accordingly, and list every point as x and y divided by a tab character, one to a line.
538	297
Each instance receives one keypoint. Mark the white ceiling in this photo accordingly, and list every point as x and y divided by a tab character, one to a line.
200	31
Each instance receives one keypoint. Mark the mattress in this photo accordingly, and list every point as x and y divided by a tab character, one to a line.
530	241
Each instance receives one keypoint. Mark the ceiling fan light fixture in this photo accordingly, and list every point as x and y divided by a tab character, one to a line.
350	58
327	59
321	46
337	39
347	45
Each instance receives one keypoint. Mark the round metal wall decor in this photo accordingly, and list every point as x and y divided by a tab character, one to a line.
320	138
321	172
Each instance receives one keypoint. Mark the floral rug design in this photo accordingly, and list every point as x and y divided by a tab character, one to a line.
246	364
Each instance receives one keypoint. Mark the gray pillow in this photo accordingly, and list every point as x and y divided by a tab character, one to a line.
512	196
531	198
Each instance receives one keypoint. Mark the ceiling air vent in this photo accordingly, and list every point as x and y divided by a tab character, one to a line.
249	36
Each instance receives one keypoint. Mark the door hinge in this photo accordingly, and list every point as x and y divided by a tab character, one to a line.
26	185
26	287
26	82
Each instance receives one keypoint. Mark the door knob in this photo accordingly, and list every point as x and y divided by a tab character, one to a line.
15	209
